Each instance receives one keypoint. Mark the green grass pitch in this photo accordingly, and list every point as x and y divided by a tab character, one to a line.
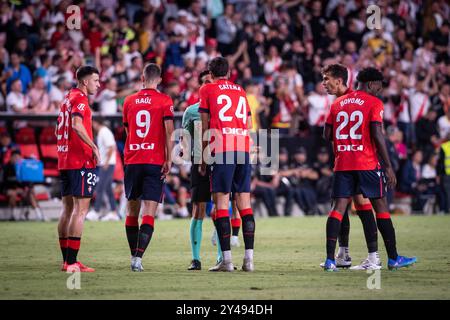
287	256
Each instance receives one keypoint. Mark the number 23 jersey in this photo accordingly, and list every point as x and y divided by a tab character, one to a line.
144	114
350	116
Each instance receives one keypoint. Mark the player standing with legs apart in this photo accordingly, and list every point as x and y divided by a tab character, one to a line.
200	185
148	120
334	81
77	161
354	125
224	109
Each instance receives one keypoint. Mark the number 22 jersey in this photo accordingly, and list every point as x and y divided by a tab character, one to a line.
350	116
144	114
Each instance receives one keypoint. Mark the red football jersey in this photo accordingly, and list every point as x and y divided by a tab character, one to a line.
350	116
74	153
229	110
144	114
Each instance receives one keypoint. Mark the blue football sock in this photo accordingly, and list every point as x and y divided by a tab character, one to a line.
196	225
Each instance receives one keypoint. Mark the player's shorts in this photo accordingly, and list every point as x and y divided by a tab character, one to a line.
143	182
370	183
231	176
200	185
78	182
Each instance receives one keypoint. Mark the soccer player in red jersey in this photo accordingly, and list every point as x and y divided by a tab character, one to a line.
148	120
77	162
334	81
354	124
226	115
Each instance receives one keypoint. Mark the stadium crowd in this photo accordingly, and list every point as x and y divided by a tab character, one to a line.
276	50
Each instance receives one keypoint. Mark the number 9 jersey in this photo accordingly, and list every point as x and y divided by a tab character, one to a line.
144	114
350	116
229	110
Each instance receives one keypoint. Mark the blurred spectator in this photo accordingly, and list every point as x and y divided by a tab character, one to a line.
107	149
443	171
264	187
282	107
427	135
107	98
226	30
411	174
306	177
6	148
324	183
444	120
39	98
17	191
17	70
57	93
17	101
285	188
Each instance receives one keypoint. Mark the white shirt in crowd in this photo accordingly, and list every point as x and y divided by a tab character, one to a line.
105	140
107	101
428	172
17	99
56	95
444	126
419	103
318	108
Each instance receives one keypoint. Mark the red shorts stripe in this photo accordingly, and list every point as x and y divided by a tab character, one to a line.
245	212
336	215
131	221
363	207
222	213
82	186
383	215
147	219
74	244
235	222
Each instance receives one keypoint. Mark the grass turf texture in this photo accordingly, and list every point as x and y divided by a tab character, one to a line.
287	257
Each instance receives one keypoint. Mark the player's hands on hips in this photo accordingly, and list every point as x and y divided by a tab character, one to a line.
202	169
391	179
165	169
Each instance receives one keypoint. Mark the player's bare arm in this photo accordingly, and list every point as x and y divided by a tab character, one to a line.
168	125
376	132
77	126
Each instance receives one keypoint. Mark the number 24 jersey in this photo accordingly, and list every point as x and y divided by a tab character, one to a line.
350	116
229	110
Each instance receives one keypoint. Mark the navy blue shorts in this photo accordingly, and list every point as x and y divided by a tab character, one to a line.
233	175
143	182
200	185
78	182
370	183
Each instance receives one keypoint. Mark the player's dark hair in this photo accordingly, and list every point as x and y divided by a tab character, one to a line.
152	72
202	74
218	67
85	71
369	74
336	70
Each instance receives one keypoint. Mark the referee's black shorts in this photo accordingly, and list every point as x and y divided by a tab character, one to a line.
200	185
